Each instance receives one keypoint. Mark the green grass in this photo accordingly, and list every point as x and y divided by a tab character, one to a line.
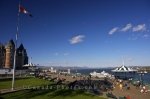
42	93
23	82
50	94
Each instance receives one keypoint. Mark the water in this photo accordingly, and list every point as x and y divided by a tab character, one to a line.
145	77
88	71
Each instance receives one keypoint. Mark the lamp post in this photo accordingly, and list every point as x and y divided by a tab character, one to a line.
141	77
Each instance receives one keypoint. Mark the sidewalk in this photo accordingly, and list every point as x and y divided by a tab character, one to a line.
3	91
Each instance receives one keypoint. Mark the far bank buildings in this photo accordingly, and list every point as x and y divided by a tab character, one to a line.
7	55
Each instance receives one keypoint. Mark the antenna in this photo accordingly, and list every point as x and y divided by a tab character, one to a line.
30	60
122	61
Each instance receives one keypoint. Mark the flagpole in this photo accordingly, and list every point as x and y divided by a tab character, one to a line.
14	65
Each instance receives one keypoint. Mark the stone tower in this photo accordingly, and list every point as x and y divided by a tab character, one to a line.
10	49
21	57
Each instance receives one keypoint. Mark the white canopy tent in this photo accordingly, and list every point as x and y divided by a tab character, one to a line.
124	72
124	69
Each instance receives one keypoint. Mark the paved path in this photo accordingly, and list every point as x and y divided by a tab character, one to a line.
3	91
134	93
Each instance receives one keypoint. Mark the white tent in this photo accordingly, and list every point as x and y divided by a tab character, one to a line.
29	65
123	69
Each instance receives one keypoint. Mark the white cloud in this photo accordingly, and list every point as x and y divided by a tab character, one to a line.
140	27
113	30
137	31
77	39
127	27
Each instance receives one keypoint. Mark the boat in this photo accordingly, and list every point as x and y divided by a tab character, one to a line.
145	72
103	74
142	72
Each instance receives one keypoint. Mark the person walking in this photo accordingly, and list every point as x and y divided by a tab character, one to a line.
120	86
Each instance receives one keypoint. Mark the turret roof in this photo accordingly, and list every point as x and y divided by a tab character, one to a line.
21	47
10	43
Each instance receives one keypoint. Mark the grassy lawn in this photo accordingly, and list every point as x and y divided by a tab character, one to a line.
50	94
21	82
42	93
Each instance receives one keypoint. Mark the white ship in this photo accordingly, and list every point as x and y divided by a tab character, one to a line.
103	74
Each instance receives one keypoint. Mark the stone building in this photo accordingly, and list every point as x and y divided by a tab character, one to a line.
21	57
2	55
7	55
10	49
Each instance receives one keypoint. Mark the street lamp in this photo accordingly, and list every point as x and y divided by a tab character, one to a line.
141	77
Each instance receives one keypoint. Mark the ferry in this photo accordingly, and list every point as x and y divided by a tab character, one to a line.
103	74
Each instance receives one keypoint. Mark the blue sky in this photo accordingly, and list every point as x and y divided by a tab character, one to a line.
94	33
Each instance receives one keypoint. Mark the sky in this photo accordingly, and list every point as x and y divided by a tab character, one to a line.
92	33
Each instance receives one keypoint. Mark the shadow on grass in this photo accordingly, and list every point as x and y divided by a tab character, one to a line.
27	94
18	78
68	93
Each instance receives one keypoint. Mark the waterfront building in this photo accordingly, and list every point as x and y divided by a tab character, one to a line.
65	71
52	70
124	72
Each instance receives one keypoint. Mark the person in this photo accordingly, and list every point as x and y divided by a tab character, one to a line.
127	86
114	85
142	91
128	97
120	86
144	88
